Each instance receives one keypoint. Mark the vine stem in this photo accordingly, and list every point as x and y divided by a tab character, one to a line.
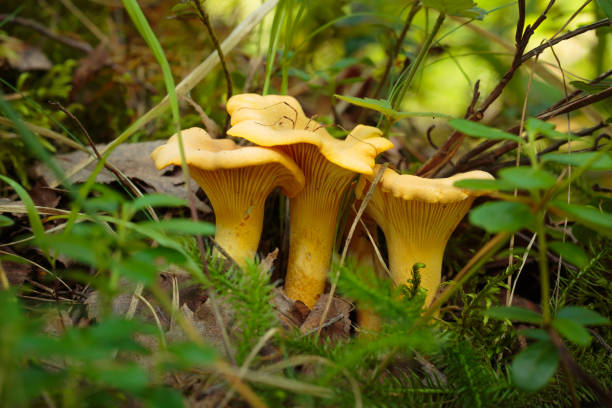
400	88
544	272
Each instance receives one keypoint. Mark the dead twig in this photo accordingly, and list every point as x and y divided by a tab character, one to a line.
35	25
228	78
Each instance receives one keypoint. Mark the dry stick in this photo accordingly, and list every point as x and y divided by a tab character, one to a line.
605	397
517	163
450	148
247	362
569	170
3	279
44	132
505	148
209	124
186	85
374	245
416	6
123	179
85	21
362	208
538	50
551	148
79	45
228	78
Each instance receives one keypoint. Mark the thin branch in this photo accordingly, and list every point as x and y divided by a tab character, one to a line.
416	6
123	179
538	50
26	22
228	78
451	146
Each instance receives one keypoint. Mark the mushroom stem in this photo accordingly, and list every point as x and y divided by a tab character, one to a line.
423	240
314	213
239	210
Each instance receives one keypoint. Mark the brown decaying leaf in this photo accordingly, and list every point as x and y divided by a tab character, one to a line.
133	159
23	56
339	308
88	66
16	272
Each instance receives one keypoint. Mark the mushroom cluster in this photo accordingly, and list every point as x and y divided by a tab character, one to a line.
315	170
329	165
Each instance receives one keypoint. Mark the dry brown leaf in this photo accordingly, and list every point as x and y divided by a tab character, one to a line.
339	310
16	272
134	160
23	56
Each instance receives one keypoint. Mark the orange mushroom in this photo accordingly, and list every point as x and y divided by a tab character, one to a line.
237	181
329	165
418	216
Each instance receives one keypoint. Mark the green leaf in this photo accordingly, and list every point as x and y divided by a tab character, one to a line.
87	251
190	354
181	226
583	316
479	184
157	200
379	105
451	7
591	217
538	127
528	178
384	107
478	130
604	162
163	397
533	367
137	270
513	313
574	332
590	88
537	334
33	217
130	377
606	6
5	221
502	216
570	252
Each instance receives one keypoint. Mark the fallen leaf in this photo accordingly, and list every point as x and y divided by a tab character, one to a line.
134	160
23	56
44	196
88	66
338	313
16	273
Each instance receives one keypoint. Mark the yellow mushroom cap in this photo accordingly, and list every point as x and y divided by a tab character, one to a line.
418	216
206	153
274	120
408	187
237	181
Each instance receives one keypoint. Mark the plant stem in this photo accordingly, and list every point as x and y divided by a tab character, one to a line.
401	86
228	78
543	264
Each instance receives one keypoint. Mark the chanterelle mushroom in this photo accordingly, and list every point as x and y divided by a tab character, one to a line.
328	163
237	181
418	216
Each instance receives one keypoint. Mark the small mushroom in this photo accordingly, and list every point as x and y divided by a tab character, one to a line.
237	181
418	216
329	165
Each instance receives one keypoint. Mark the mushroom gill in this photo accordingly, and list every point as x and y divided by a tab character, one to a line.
418	216
329	165
237	181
